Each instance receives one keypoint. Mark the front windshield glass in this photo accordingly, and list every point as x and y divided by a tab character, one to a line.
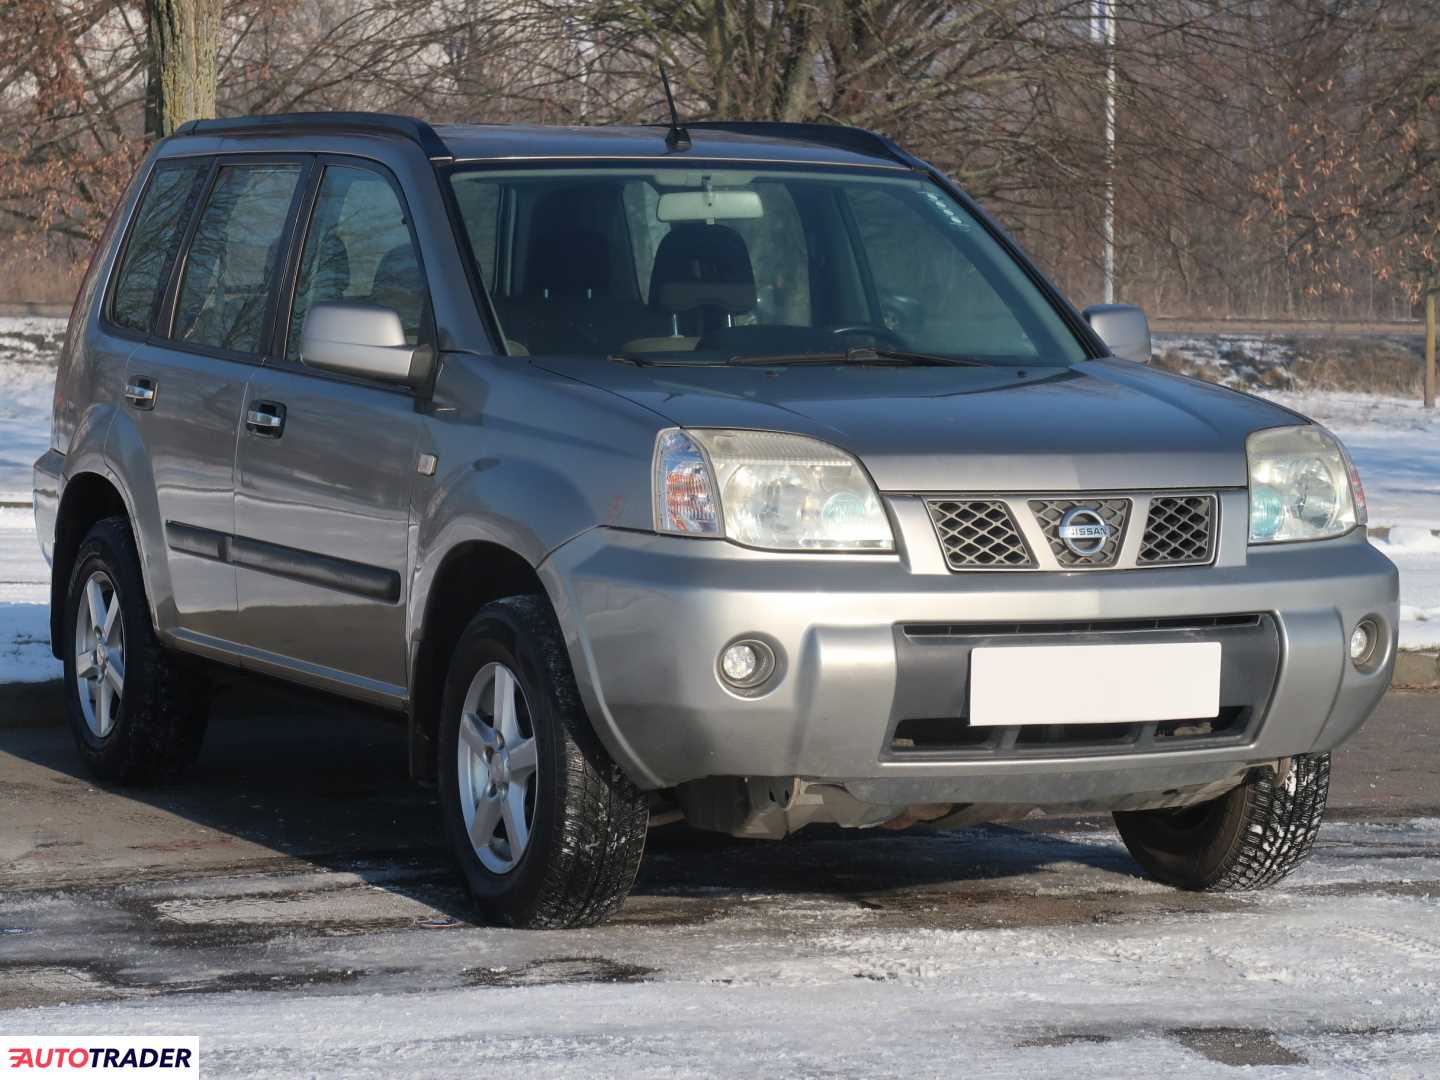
706	265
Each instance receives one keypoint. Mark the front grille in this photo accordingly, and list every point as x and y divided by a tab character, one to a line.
1179	530
1113	512
954	737
979	534
1079	626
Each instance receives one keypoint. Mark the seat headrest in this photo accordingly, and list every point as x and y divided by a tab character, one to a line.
332	267
699	265
397	269
569	262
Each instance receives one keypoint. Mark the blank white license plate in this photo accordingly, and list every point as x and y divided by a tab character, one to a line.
1094	684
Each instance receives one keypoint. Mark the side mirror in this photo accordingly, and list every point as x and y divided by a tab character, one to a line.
1124	328
362	339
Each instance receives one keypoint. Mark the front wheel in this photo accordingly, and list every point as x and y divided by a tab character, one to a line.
1249	838
547	830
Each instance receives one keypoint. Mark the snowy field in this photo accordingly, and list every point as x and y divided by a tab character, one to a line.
28	350
1394	442
1094	972
1396	446
24	602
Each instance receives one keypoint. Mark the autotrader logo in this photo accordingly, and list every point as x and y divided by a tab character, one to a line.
156	1055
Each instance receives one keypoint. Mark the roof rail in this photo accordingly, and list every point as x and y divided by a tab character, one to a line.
405	127
855	139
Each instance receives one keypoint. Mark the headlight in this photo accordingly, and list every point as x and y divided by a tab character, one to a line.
766	489
1303	486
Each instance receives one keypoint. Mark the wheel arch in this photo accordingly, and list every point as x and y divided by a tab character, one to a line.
88	497
471	573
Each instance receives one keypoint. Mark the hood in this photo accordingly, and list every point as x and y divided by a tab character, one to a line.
1100	425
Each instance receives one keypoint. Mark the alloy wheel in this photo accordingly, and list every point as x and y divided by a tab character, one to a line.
497	760
99	654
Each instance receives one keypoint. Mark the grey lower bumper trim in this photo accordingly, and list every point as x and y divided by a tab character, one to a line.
1041	789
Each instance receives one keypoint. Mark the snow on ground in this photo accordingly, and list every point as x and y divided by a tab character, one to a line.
1416	551
24	602
1335	973
1396	446
1239	360
1395	443
28	350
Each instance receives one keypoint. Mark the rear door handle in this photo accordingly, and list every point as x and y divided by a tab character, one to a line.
140	392
266	418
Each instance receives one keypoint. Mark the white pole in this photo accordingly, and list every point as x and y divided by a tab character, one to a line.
1103	29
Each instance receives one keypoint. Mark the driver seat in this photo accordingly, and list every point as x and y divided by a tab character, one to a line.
702	278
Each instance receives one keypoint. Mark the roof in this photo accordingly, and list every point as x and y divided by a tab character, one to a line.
807	143
749	141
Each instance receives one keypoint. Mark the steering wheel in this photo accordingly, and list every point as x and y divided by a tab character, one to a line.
890	336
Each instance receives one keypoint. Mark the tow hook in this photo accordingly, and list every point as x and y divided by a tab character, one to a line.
1283	767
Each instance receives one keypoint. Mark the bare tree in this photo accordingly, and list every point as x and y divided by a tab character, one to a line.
183	41
1361	179
1213	98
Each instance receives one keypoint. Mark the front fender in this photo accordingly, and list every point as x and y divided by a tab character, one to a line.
527	459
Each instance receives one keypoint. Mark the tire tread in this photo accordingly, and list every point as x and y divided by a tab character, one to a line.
1281	824
600	818
1256	835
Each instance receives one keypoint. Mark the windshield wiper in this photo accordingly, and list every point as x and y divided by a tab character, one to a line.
657	360
860	354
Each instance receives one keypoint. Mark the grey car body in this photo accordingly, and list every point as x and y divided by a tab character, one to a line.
348	554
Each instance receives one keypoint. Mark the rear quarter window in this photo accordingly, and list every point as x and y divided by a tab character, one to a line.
153	241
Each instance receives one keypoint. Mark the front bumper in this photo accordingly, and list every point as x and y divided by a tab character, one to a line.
646	616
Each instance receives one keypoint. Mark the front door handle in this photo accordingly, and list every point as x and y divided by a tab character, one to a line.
266	418
140	392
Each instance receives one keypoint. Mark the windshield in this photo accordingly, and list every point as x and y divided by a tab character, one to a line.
707	265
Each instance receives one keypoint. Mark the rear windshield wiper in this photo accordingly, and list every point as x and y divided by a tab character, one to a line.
861	354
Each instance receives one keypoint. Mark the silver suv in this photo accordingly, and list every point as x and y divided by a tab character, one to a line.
747	474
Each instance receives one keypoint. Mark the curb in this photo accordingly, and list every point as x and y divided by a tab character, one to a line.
1417	669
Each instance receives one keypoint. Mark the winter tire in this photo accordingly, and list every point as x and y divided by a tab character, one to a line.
1249	838
136	710
547	830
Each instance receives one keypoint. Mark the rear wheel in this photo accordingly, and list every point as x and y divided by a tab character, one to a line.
546	828
1251	837
137	711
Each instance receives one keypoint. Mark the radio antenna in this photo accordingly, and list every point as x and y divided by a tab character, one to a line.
677	138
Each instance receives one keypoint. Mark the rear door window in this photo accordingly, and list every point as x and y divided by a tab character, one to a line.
358	250
234	258
150	249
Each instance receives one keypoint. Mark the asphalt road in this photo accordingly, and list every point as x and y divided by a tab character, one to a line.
297	857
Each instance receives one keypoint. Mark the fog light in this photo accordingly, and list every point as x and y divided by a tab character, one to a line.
741	661
746	664
1362	641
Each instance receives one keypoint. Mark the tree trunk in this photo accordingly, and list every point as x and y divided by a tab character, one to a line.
1430	301
184	37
